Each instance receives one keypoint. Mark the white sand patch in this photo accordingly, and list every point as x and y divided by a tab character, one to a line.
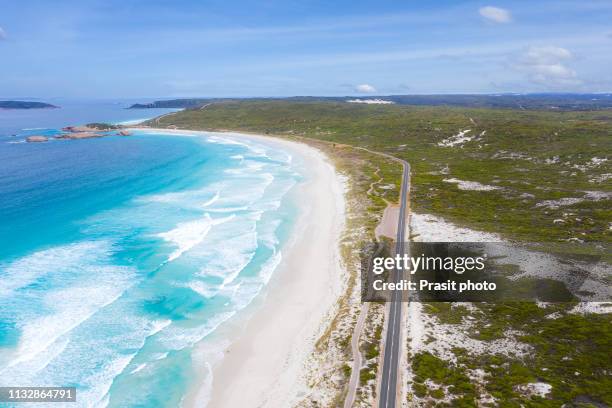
429	228
539	389
371	101
504	154
442	338
592	307
457	140
594	163
553	160
531	263
601	178
416	326
588	196
561	202
598	195
471	185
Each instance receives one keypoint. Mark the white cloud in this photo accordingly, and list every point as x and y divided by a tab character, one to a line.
495	14
547	66
547	55
2	34
365	88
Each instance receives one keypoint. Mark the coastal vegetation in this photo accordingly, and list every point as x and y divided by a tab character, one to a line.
103	126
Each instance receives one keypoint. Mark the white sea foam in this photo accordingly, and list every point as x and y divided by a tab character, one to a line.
188	234
202	289
158	325
68	308
67	258
227	209
138	368
229	257
97	386
268	268
243	292
185	199
30	368
212	200
230	139
160	356
188	336
268	236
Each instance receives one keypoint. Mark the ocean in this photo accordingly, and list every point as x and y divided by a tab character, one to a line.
120	254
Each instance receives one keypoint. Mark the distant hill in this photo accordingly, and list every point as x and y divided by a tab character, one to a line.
517	101
566	102
25	105
171	103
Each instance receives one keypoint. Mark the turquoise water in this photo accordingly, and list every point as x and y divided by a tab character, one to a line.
120	254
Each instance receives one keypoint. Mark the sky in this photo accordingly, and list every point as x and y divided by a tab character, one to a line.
243	48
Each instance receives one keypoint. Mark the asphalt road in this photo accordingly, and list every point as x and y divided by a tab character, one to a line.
388	384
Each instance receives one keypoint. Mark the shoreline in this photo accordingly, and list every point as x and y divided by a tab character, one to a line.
266	346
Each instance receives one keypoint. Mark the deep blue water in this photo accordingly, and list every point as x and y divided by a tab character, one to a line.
120	254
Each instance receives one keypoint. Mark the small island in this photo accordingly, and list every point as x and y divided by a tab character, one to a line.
26	105
91	130
88	131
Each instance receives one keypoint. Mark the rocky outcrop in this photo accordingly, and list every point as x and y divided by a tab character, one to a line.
36	139
92	130
79	135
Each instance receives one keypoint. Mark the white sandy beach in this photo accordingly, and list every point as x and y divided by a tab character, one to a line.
265	359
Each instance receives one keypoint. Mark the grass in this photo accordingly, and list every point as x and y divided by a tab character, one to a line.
366	374
426	366
446	313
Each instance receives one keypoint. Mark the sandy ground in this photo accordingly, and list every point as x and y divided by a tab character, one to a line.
264	361
388	224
